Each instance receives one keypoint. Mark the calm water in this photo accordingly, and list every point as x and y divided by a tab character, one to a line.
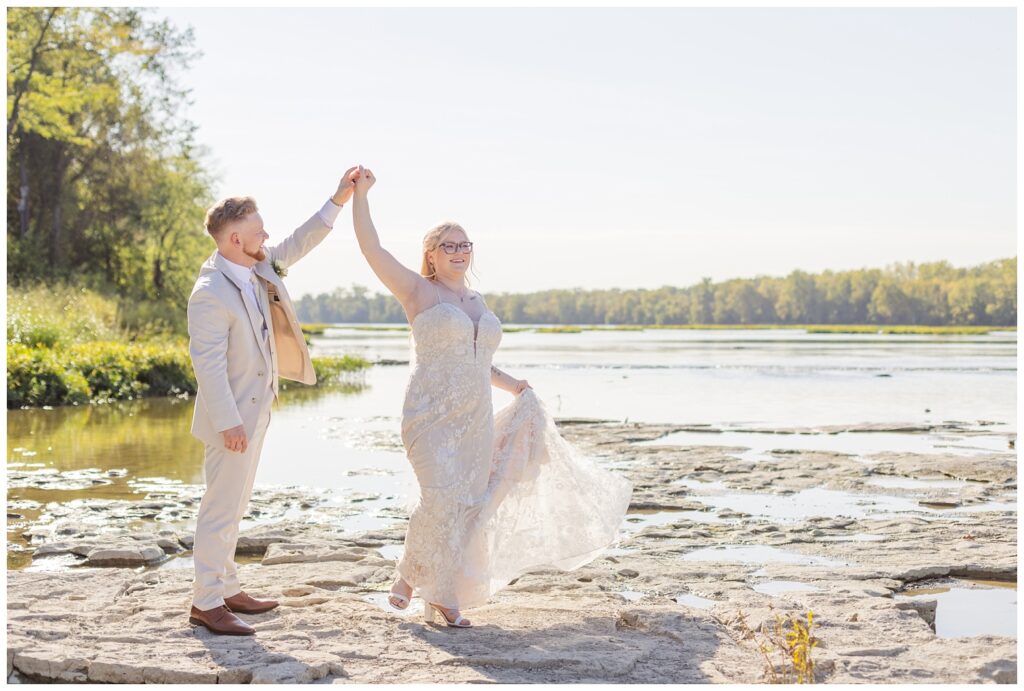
730	379
769	377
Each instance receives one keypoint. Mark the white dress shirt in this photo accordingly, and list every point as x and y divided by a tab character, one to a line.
329	213
245	275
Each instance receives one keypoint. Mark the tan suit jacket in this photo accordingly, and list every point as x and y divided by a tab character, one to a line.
236	369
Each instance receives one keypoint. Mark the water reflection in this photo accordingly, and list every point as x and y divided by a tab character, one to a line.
127	450
148	437
860	443
971	608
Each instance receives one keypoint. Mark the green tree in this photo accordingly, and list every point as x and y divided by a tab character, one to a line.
104	184
932	294
702	302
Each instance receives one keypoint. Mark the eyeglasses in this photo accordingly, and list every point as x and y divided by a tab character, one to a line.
451	247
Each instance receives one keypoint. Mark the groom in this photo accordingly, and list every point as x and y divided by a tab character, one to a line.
243	335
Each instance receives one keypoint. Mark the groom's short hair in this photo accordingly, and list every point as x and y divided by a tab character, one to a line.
227	210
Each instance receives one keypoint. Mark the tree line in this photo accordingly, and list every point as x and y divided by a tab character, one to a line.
105	185
932	294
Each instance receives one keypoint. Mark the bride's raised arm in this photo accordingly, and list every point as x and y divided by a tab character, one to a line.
400	280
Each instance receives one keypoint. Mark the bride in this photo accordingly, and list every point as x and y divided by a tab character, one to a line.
500	493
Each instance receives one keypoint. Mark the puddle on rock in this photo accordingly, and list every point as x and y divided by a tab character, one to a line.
639	519
392	551
694	601
760	444
59	562
631	595
856	537
971	608
781	587
817	501
702	485
916	483
758	554
364	522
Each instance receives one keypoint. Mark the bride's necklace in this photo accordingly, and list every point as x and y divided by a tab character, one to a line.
462	295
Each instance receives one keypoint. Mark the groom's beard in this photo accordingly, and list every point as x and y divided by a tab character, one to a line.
259	255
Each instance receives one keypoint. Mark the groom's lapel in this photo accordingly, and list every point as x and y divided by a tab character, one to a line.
255	319
265	271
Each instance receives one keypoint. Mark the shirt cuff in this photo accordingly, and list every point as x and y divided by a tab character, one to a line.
329	213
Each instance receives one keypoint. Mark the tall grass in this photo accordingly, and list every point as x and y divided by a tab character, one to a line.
61	315
69	345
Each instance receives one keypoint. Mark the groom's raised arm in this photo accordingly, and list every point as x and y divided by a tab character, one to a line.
312	232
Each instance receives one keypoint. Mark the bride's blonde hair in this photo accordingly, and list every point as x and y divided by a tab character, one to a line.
434	237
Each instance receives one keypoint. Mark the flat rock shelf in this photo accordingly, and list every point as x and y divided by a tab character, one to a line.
711	535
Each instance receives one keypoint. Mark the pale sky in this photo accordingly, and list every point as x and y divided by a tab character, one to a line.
626	148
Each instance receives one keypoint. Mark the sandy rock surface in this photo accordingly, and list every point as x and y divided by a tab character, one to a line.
709	549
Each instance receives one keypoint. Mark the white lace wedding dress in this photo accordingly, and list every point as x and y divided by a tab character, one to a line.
500	494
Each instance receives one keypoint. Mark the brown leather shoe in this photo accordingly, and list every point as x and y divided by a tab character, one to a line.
248	605
220	620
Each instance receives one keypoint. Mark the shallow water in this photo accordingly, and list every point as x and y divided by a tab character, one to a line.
779	377
914	483
971	608
694	601
638	520
817	501
346	442
392	551
856	537
760	444
757	554
782	587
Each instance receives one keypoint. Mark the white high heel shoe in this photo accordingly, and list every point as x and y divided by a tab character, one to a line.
431	610
403	600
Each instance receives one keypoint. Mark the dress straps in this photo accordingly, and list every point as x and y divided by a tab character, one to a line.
437	294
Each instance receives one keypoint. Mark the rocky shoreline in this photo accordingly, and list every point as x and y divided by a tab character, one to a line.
713	540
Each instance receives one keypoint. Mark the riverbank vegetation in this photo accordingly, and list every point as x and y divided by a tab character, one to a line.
809	328
69	345
906	295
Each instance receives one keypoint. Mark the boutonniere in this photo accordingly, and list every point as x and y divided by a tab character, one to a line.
278	269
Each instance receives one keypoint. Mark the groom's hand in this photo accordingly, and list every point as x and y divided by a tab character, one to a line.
235	439
346	186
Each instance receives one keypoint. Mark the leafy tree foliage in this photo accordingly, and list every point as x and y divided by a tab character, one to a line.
104	184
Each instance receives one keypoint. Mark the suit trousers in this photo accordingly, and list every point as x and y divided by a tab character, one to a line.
229	478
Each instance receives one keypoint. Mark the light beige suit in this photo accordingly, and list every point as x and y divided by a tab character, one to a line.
237	370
